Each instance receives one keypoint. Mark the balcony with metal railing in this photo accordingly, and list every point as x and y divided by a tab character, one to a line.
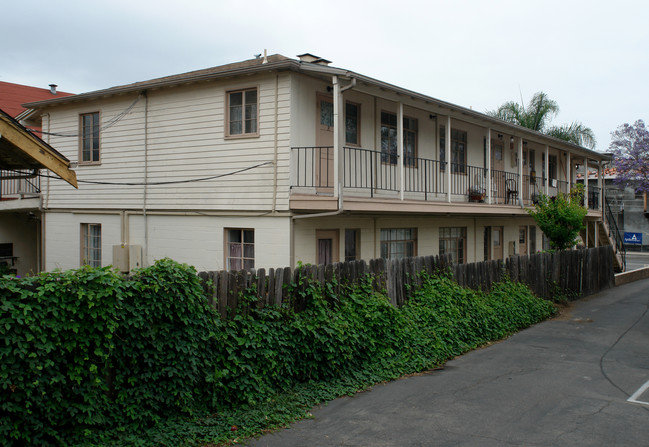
370	173
16	184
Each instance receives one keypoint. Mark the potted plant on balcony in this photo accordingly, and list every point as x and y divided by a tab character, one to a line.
476	193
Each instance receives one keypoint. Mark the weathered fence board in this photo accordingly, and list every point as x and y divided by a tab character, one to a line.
577	272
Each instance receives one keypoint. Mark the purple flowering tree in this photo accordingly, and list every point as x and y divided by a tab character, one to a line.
630	146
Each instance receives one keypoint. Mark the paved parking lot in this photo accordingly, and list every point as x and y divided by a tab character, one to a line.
581	379
636	260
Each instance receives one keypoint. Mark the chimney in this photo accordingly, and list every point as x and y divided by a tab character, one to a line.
53	88
312	59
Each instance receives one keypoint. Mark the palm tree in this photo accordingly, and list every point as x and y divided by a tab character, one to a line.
537	115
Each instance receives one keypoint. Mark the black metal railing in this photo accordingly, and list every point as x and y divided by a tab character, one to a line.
423	178
468	181
504	187
532	189
368	169
614	232
314	166
422	175
19	182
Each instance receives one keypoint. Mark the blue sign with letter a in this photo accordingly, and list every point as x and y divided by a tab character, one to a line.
632	238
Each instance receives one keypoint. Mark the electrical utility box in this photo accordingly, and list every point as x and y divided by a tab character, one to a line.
127	257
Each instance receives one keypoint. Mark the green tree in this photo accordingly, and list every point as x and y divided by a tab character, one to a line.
561	218
537	116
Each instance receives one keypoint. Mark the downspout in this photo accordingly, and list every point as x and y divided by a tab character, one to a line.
275	144
338	128
488	179
340	209
340	189
146	179
337	97
43	208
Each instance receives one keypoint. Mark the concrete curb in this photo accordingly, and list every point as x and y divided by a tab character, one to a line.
633	275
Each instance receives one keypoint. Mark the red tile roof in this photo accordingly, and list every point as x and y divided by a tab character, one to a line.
608	172
12	96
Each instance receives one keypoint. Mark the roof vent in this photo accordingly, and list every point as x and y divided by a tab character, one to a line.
53	88
312	59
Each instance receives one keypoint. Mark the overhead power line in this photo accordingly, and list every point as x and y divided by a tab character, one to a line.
110	123
169	182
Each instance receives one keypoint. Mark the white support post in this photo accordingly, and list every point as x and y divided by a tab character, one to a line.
400	151
547	170
600	185
488	179
447	150
337	132
569	170
520	168
586	181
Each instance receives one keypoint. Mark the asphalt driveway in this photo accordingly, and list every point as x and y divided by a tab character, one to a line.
579	380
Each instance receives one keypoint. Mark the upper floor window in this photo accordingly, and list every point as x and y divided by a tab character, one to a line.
89	138
352	117
242	112
389	139
552	166
458	150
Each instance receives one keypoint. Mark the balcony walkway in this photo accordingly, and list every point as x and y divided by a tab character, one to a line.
374	175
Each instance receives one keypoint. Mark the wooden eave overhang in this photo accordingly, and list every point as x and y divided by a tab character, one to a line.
20	150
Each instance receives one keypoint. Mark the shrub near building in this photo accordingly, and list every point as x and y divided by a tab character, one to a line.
87	356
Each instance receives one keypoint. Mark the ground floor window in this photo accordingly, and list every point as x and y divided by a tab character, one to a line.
398	242
240	249
532	239
452	240
352	245
91	244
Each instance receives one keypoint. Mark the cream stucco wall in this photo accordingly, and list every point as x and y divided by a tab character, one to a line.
193	239
304	231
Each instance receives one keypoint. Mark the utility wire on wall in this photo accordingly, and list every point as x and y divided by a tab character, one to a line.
110	123
169	182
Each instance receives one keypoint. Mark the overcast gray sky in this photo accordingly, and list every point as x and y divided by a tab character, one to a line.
589	56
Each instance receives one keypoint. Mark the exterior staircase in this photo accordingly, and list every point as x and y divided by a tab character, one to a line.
608	233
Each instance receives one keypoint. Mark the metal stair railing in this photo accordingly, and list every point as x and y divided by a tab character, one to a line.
612	228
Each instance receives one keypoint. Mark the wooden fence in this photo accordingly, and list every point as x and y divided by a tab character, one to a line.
574	272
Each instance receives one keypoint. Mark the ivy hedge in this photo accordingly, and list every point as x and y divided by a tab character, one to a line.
90	357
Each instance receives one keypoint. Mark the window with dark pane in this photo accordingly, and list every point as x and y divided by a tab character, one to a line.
352	114
388	138
326	113
243	112
90	137
389	134
352	245
240	250
452	240
410	141
398	242
458	150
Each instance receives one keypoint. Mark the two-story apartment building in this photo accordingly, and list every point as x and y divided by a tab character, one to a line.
273	161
